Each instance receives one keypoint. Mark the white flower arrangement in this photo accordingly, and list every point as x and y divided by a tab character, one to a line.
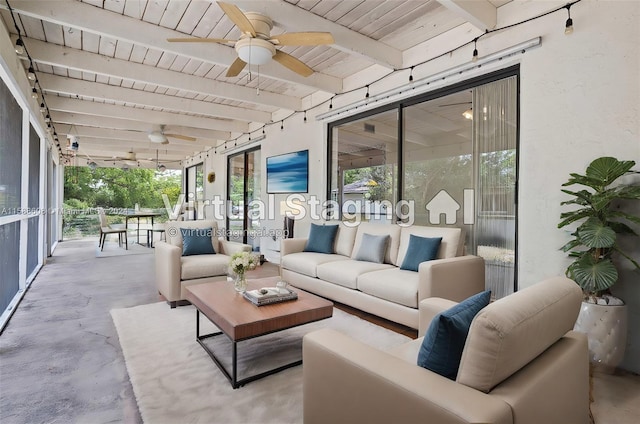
242	262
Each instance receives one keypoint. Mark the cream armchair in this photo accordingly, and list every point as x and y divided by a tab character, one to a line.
521	363
174	272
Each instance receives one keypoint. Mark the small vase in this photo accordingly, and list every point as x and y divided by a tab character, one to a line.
240	283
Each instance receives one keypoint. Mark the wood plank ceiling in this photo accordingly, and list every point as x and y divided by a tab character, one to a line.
110	77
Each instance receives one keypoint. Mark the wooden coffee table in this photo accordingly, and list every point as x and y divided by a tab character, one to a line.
240	320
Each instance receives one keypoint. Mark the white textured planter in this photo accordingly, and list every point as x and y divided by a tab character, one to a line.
606	329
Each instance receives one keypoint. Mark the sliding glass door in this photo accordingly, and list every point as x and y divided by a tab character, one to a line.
243	187
195	192
452	155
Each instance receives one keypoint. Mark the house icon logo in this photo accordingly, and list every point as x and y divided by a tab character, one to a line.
442	203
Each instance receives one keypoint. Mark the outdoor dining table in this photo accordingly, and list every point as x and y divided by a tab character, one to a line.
138	215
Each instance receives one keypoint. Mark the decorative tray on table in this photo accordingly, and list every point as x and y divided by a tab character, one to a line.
269	295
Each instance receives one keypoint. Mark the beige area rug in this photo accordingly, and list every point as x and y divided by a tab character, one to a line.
175	381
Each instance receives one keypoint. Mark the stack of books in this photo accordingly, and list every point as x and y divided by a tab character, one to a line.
269	295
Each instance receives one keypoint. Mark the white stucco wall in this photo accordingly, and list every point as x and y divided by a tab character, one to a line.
580	97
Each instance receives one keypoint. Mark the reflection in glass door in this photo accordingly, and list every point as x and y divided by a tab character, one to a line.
195	191
244	173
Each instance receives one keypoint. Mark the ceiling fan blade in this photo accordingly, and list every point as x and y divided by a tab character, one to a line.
292	63
236	67
181	137
199	40
238	18
303	39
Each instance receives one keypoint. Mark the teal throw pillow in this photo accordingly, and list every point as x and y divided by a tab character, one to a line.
197	241
372	248
444	340
321	238
420	249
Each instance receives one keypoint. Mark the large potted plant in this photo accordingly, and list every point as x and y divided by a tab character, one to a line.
595	251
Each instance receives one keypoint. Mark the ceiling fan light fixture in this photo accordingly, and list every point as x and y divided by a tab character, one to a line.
158	137
255	51
161	167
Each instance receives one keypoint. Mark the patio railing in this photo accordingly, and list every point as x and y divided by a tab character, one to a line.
78	223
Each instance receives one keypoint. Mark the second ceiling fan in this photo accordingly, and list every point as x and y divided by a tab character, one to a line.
160	137
256	46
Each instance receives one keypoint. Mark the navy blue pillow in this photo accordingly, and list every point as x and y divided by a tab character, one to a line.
443	343
197	241
321	238
420	249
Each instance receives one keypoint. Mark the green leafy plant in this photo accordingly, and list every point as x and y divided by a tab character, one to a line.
595	239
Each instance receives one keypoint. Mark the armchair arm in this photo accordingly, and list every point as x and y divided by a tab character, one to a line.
168	270
345	381
452	278
231	247
292	245
429	308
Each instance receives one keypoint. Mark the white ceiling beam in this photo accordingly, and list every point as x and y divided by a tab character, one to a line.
62	85
136	136
109	152
126	124
103	162
66	57
120	147
479	13
152	117
295	19
88	145
88	18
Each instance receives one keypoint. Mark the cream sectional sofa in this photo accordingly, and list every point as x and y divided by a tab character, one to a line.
384	289
174	272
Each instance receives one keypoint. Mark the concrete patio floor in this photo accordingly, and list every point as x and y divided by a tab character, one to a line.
60	360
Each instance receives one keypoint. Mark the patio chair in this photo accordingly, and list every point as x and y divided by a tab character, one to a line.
106	229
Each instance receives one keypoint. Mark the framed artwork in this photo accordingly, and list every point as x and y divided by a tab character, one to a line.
288	173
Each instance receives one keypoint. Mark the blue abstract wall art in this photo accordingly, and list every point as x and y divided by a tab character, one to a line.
288	173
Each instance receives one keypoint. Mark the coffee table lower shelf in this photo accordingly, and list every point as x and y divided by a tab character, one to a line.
233	376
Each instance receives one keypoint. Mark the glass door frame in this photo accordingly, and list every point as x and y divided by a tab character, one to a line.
192	203
245	194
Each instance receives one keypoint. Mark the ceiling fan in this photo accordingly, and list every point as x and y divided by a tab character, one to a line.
256	46
160	137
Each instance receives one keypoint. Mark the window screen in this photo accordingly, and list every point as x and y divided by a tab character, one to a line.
10	152
34	168
9	262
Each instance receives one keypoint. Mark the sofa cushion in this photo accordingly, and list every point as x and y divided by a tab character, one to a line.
346	272
344	239
321	238
174	235
420	249
306	262
393	284
451	245
201	266
196	241
512	331
393	231
372	248
444	340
